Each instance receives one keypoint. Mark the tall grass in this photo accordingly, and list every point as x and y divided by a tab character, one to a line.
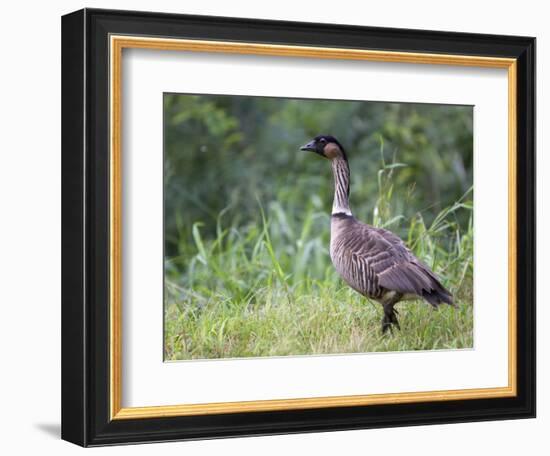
266	286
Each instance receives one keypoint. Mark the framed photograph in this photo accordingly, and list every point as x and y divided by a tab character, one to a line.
279	227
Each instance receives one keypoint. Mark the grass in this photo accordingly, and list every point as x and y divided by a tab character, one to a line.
334	320
267	287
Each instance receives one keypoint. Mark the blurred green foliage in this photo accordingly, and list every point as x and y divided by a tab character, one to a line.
228	152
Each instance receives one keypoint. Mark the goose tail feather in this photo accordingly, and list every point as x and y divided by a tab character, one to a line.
438	295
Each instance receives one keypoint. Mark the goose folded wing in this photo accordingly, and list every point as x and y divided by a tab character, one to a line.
395	266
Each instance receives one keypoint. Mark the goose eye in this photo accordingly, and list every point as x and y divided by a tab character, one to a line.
323	141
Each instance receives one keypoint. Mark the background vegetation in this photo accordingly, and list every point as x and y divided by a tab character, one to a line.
247	268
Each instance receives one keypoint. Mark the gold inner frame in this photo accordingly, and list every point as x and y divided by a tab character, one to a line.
117	44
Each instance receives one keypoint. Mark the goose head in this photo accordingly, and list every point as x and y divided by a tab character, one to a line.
327	146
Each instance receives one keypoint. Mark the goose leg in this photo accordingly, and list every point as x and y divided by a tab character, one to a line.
390	314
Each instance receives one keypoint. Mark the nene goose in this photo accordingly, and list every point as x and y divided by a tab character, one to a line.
373	261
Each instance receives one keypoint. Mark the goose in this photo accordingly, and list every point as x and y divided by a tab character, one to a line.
373	261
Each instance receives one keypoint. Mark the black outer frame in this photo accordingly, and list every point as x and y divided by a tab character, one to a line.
85	227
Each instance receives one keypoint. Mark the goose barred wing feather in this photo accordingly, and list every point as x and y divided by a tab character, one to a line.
391	261
399	270
388	263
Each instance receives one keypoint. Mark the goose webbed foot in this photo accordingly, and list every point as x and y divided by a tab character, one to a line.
390	320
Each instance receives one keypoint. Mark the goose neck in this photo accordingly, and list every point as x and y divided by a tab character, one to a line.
340	170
